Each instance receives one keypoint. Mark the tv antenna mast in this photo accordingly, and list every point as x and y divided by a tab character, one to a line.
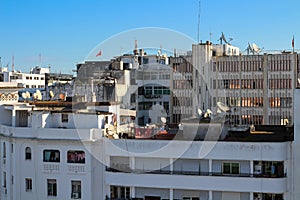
199	14
223	39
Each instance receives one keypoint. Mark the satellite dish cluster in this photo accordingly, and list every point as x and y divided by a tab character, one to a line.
221	109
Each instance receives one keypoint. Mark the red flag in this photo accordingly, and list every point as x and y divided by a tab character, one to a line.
99	53
293	42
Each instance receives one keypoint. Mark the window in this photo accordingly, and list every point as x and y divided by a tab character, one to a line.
4	179
119	192
64	117
27	153
52	187
28	184
76	157
76	189
231	168
4	150
51	156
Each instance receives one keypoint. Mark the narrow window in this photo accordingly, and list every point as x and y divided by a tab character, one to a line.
52	187
27	153
76	189
64	117
4	150
28	184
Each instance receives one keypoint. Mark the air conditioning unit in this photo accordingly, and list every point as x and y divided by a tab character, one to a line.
5	190
4	161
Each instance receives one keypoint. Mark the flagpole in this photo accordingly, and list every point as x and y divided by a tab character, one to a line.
293	44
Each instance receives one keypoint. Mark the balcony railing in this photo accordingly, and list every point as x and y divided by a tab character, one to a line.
192	173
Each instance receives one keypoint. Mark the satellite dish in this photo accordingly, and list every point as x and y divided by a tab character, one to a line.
51	94
27	95
199	112
24	95
256	49
39	95
163	120
209	111
223	107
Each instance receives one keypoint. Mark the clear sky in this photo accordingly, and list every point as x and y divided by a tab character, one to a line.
65	31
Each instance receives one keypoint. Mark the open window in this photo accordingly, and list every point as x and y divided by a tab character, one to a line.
51	155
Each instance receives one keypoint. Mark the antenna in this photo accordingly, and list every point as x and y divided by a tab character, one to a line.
223	38
13	63
199	14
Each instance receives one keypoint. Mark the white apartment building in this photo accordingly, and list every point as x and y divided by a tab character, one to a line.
25	80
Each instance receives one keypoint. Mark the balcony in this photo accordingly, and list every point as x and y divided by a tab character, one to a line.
197	180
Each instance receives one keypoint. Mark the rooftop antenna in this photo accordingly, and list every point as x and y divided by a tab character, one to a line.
135	51
223	39
199	14
13	63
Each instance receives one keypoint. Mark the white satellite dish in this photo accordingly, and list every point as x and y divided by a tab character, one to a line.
223	107
39	95
255	48
24	95
163	120
51	94
209	111
199	112
27	95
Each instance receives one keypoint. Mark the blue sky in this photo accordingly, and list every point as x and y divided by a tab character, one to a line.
65	31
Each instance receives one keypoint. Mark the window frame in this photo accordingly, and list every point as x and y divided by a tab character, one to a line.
51	151
231	168
28	184
51	187
64	117
79	159
76	188
28	155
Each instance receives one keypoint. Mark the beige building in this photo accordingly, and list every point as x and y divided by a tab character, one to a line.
258	88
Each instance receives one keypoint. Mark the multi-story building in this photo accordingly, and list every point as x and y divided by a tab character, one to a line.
57	150
25	80
139	81
258	88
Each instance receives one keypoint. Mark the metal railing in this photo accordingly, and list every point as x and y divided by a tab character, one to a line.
193	173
